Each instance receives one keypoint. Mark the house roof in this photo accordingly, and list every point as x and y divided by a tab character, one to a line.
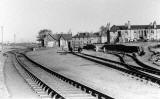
123	27
66	36
86	35
53	37
82	35
96	34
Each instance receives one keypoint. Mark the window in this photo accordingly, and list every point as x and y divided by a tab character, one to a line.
152	31
126	32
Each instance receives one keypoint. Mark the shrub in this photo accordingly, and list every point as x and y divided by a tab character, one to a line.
89	46
121	48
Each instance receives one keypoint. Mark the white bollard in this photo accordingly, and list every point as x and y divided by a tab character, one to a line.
104	49
97	48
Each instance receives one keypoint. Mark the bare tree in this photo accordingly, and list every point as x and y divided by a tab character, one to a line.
42	34
102	29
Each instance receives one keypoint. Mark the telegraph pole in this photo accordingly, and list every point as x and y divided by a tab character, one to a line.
2	37
108	32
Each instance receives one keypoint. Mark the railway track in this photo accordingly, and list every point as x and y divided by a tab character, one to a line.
142	64
141	67
37	85
129	69
138	67
49	84
128	66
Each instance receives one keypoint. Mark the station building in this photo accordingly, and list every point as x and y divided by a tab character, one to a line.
60	40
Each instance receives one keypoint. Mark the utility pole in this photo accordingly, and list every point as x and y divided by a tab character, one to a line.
108	32
2	38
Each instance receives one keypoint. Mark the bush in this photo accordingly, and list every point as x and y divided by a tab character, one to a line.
157	46
89	46
121	48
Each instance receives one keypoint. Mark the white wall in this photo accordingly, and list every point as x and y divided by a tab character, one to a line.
158	34
52	43
104	39
94	39
63	42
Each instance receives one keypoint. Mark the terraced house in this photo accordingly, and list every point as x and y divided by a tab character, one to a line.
130	33
87	38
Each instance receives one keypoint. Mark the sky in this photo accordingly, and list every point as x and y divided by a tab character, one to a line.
25	18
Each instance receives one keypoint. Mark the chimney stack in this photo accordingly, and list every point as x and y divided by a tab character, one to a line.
108	26
129	25
154	24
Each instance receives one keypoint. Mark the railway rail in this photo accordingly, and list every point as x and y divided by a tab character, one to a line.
138	67
37	85
70	90
129	69
141	67
142	64
123	63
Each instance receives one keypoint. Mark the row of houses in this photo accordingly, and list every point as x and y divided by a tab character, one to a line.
130	33
91	38
115	34
122	34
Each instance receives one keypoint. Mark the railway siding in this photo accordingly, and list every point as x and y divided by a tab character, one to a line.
137	64
131	70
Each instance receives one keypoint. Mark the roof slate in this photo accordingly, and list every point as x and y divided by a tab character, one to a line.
66	36
86	35
53	37
123	27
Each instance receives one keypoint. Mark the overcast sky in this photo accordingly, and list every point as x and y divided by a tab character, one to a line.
26	17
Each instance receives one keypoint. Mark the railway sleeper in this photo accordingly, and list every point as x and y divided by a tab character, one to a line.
43	90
